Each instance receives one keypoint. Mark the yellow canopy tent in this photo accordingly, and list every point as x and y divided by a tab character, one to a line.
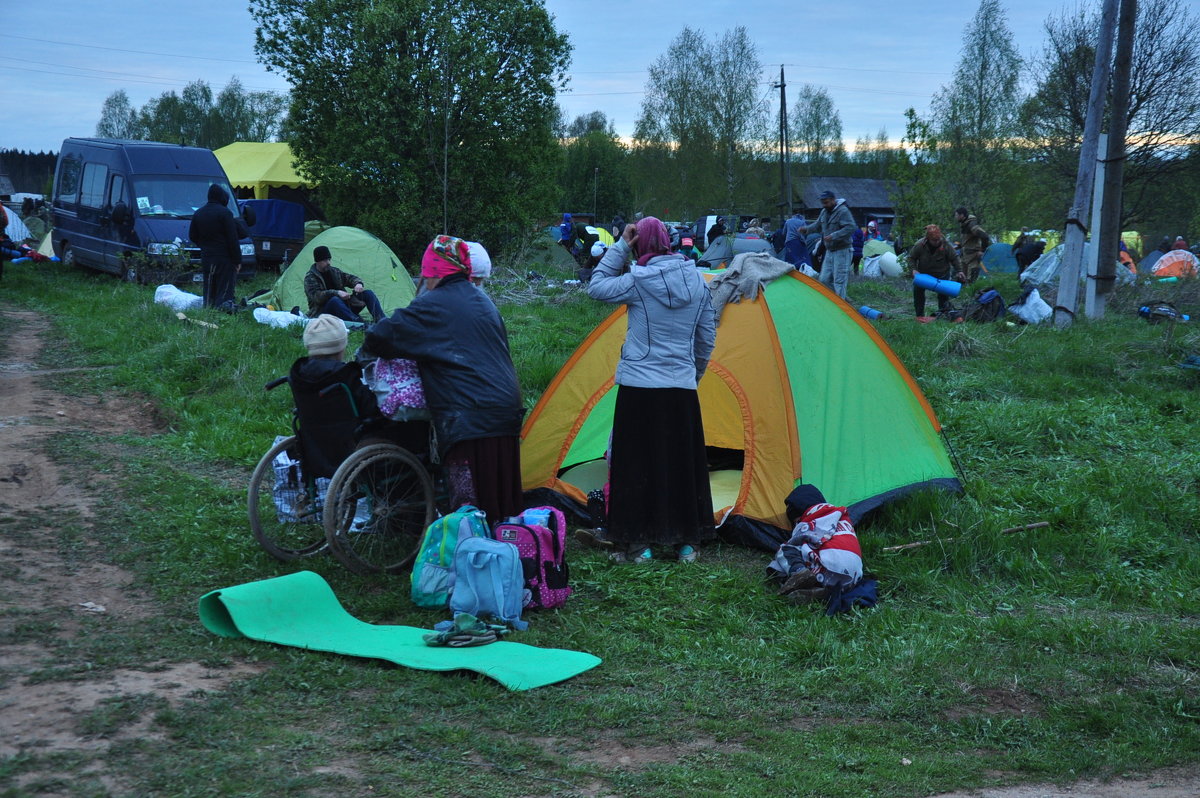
259	166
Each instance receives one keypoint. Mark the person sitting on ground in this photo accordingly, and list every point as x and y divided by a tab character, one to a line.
459	341
873	233
688	249
822	555
934	256
325	286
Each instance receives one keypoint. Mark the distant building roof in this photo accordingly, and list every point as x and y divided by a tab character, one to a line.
859	192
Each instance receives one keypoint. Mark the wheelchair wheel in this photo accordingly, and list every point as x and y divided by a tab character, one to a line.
285	518
379	504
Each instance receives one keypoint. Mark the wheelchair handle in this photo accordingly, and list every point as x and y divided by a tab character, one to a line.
273	384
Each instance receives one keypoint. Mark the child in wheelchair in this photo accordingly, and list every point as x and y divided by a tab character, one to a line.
338	407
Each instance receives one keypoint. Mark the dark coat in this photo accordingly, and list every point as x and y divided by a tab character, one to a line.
937	260
317	286
458	339
214	229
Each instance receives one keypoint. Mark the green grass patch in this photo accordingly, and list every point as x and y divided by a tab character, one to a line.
991	658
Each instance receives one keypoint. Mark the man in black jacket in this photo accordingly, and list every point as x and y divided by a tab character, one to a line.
215	230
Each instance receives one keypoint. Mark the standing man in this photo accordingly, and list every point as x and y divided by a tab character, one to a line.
325	287
974	241
934	256
835	226
216	231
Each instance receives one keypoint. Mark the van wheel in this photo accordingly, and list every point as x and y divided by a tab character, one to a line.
131	275
68	256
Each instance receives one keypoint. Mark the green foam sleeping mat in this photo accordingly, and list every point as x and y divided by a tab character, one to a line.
301	610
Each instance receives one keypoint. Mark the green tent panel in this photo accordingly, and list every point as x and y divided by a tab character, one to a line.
353	251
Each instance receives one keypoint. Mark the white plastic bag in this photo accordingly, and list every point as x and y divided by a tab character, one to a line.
278	318
176	299
1032	309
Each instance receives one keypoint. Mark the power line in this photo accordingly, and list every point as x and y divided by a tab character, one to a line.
149	82
867	69
135	52
158	80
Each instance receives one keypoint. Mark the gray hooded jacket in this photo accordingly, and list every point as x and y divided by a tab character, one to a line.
838	224
672	327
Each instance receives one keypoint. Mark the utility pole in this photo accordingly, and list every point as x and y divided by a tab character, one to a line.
1108	240
595	191
1068	281
1091	256
785	165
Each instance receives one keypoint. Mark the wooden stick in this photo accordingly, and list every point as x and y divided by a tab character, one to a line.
1008	531
202	323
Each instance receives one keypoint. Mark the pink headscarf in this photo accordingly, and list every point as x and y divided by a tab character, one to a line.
652	239
446	255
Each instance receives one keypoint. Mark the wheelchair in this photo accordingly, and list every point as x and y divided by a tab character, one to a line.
361	490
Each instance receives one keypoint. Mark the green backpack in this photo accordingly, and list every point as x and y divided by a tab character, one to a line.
434	567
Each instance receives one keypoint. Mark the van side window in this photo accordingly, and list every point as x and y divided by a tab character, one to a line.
68	180
95	175
116	193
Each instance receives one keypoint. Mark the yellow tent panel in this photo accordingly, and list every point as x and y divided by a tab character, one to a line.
259	166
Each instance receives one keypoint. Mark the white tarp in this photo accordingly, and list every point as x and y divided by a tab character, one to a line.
1045	270
14	227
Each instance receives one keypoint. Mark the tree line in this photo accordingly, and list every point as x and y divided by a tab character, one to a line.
1008	154
415	118
30	172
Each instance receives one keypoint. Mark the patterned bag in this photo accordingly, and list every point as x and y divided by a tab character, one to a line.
543	549
397	385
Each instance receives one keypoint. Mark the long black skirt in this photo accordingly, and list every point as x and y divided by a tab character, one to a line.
658	483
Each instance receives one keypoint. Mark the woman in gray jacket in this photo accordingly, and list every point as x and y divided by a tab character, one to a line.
659	491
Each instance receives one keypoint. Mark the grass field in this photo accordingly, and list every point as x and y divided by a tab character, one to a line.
992	659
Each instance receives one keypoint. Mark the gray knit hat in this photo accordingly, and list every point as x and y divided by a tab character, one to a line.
325	335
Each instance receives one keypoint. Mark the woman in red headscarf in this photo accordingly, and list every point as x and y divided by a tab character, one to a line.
459	341
658	485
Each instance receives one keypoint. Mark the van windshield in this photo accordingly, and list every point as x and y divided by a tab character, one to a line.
175	196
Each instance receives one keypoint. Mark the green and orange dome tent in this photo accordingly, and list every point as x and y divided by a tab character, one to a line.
800	388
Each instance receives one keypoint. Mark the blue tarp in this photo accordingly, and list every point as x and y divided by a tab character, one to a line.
276	219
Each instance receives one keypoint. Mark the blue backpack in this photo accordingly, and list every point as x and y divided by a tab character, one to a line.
986	306
489	581
434	565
